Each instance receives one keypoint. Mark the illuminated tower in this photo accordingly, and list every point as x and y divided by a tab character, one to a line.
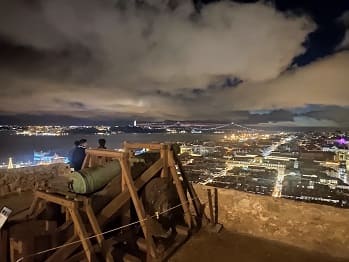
10	164
135	123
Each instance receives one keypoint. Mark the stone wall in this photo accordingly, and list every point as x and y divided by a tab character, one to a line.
310	226
29	178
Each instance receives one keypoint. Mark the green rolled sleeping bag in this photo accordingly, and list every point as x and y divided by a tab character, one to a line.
89	180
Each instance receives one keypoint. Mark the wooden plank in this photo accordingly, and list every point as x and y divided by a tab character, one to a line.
139	207
115	204
55	199
82	233
105	153
148	174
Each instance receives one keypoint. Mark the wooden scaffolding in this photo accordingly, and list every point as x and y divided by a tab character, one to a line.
83	232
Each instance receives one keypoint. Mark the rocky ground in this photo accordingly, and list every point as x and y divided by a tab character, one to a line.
228	246
29	178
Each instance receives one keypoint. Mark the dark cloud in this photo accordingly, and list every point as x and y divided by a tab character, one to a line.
73	104
273	116
334	113
93	59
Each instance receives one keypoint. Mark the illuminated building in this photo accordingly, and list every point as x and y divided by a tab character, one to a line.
46	158
342	171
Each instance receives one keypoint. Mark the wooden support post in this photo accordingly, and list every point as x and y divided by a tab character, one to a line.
33	206
138	205
91	162
86	162
82	233
97	230
16	245
126	149
3	244
215	205
164	156
67	215
196	201
125	169
210	206
180	191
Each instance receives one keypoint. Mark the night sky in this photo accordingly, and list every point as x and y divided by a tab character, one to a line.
264	63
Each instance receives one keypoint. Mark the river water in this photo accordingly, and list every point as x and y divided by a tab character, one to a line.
21	148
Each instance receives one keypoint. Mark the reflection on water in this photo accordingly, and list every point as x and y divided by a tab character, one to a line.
21	148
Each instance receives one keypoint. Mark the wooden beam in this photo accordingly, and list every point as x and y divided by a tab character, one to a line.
196	201
139	207
33	206
97	231
215	205
125	169
91	160
82	233
148	174
55	199
86	162
151	146
114	205
16	245
180	191
209	197
105	153
164	155
4	244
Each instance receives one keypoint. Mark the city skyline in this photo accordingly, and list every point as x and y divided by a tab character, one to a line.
277	63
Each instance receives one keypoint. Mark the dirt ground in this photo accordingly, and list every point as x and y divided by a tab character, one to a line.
227	246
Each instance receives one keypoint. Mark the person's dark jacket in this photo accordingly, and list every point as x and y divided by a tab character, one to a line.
77	158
